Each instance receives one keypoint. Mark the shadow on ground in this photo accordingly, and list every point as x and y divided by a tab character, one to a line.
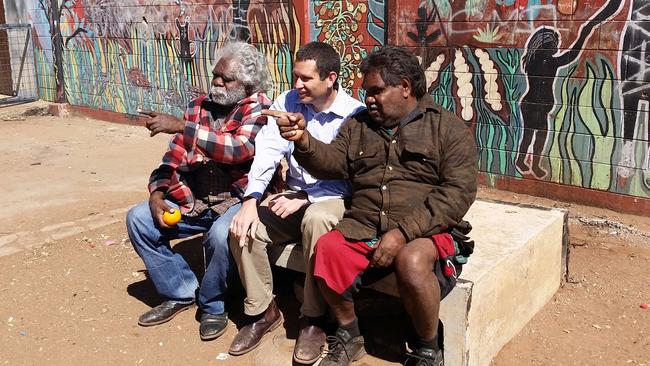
381	317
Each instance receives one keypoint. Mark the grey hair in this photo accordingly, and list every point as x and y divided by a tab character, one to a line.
253	72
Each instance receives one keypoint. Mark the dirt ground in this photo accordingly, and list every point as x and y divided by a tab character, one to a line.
71	286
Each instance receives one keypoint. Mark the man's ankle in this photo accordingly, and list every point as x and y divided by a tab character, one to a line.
424	343
317	321
349	330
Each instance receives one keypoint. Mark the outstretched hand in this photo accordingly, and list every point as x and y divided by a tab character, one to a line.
292	125
160	122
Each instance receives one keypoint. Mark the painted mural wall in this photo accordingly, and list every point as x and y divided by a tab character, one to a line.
354	28
554	90
121	55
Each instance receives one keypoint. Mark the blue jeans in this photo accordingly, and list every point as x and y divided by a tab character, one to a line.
168	270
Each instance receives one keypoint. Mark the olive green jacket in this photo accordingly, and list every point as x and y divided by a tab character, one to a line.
421	179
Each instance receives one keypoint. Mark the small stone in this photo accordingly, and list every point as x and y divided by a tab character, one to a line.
596	326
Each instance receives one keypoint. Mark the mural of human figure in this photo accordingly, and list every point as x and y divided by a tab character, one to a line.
634	68
186	51
540	64
240	29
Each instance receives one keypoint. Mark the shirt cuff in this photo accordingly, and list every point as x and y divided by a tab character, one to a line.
256	195
255	189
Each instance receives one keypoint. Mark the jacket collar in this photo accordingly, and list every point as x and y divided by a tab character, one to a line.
425	104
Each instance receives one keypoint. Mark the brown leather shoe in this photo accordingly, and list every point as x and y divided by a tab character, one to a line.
309	344
251	335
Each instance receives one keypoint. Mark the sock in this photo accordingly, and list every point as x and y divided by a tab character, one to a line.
431	344
318	321
351	329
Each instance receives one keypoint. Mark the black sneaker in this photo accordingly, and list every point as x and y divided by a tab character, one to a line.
213	325
425	357
342	349
164	312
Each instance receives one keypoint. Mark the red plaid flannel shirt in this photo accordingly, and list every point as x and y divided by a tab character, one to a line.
233	144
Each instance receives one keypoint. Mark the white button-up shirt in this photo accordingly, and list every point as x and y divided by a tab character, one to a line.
270	147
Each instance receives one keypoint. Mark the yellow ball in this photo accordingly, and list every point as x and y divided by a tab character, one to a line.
172	218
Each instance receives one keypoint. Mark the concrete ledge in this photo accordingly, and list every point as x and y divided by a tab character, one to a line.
516	268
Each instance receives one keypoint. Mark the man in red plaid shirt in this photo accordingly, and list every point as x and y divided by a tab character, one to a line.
203	174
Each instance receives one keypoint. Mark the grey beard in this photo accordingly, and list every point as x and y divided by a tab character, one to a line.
223	96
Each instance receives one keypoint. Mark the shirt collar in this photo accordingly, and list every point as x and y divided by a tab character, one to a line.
414	114
340	106
249	99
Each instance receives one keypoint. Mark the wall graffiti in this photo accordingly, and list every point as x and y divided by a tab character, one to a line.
554	90
634	69
354	28
156	56
540	64
551	97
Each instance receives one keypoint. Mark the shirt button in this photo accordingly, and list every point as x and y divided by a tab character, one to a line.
390	167
383	213
384	187
360	152
393	142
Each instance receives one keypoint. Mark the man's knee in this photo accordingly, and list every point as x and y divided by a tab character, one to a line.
325	247
317	217
415	260
320	218
138	216
252	244
216	238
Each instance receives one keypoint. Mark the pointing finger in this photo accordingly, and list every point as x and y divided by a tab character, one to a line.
146	113
274	113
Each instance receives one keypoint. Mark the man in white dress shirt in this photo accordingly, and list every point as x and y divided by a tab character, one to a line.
308	209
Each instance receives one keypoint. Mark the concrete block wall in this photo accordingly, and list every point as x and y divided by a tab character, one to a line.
555	91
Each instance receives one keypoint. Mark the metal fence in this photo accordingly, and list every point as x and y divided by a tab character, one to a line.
17	68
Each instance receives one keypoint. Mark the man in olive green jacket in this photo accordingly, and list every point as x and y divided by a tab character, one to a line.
413	168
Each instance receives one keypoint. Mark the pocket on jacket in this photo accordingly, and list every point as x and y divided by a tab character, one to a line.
362	160
420	160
